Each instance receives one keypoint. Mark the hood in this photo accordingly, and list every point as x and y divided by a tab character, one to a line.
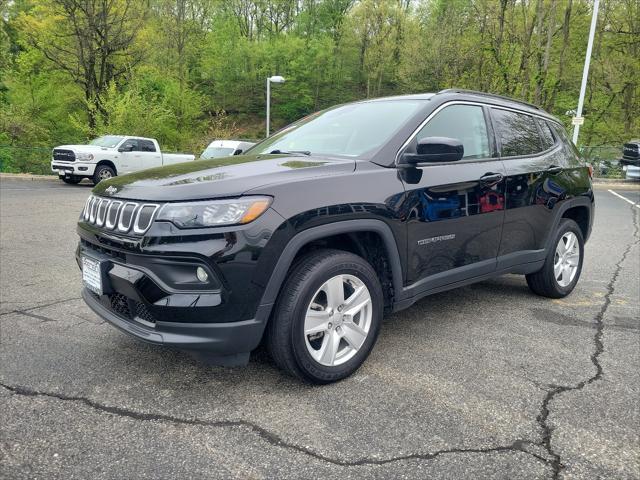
219	177
83	148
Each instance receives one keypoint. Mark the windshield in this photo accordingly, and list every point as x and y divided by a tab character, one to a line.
216	152
351	130
110	141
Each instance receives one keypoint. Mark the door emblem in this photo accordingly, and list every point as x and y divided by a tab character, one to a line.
439	238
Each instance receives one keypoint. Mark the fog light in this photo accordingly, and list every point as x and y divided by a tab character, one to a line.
202	274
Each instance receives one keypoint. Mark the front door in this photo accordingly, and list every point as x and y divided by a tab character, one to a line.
127	160
455	210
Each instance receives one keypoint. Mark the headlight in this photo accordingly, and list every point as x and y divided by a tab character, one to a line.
83	157
214	213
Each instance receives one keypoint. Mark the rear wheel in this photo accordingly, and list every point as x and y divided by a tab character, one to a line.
327	317
563	265
103	172
71	180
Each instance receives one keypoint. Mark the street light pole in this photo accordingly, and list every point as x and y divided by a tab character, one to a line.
585	72
273	79
268	104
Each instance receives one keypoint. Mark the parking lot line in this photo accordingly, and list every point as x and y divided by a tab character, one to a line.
624	198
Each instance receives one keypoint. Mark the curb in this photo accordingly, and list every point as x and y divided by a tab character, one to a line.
616	186
617	183
611	181
29	177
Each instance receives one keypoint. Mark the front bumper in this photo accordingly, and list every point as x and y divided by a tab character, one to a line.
235	339
77	169
139	297
632	172
150	289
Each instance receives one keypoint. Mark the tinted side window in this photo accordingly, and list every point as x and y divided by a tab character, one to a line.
463	122
562	134
147	146
132	142
517	132
548	139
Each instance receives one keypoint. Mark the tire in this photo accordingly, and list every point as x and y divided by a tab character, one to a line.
546	282
72	180
103	172
308	356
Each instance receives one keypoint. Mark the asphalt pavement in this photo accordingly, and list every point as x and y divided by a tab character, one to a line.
487	381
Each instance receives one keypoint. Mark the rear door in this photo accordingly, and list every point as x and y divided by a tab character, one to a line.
455	209
536	183
148	155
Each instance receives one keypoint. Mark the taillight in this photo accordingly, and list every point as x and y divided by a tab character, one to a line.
590	171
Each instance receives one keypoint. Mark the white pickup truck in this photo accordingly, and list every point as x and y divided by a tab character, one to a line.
110	155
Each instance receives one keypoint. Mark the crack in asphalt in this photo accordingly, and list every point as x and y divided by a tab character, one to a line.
25	310
518	446
543	416
42	318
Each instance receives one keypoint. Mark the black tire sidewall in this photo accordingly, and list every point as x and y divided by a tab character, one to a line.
96	174
566	225
350	265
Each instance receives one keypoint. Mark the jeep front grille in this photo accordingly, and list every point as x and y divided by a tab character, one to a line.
122	216
62	155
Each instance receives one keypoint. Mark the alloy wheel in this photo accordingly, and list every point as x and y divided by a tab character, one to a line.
566	259
338	320
105	174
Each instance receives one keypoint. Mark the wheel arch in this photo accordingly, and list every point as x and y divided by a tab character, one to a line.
108	163
577	208
580	215
304	239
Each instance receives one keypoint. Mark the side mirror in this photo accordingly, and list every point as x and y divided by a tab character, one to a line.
435	149
127	148
238	151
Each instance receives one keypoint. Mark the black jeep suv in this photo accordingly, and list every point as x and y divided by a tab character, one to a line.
318	230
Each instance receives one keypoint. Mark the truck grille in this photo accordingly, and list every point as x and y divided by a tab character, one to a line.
122	216
631	151
63	155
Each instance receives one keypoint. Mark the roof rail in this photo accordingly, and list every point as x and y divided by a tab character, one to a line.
490	95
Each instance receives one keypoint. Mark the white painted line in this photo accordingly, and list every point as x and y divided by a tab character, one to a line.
624	198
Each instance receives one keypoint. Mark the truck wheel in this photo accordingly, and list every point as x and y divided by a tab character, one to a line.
71	180
563	264
103	172
327	317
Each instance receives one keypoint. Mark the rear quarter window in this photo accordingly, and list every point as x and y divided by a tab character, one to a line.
547	136
564	138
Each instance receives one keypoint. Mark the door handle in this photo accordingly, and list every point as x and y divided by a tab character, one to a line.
491	178
553	169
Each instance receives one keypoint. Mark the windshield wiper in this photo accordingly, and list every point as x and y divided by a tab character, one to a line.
290	152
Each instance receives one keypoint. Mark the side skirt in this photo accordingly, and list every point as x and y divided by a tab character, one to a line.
521	269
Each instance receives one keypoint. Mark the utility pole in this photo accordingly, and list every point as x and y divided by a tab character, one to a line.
578	119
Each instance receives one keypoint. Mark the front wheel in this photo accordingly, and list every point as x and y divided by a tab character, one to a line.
103	172
563	264
327	317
